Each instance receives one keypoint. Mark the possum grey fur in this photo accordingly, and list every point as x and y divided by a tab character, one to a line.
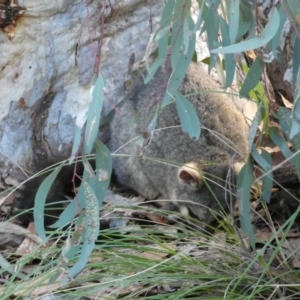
188	162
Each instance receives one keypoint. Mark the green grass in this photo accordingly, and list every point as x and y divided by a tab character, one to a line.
150	263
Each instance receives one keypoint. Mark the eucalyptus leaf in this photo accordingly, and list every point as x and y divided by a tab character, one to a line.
92	225
281	143
103	171
40	201
252	77
167	13
289	127
295	126
264	164
162	35
253	129
74	245
94	113
296	59
199	18
163	39
246	21
186	35
67	215
275	41
286	121
188	117
264	160
266	35
177	40
182	65
152	70
76	143
292	8
205	12
244	183
267	180
167	99
234	16
212	29
229	59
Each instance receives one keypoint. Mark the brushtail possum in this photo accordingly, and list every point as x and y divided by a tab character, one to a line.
164	161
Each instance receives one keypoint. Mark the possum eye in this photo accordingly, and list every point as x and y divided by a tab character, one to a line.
190	176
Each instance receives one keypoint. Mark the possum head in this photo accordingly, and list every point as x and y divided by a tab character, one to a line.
197	192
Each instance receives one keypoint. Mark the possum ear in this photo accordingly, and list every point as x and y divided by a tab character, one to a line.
190	174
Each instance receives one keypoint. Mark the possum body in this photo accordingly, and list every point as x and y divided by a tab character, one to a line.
168	164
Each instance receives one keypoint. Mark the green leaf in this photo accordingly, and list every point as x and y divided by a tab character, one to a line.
296	58
73	245
275	41
253	77
246	21
258	94
244	183
176	42
266	35
298	164
182	65
163	32
89	177
265	162
229	59
103	171
253	129
150	128
285	120
295	127
167	13
292	9
187	32
266	165
168	98
188	117
205	12
152	70
268	179
179	73
199	18
92	225
67	215
281	143
76	143
289	125
162	35
162	38
179	8
94	113
182	33
296	158
233	10
211	25
40	200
